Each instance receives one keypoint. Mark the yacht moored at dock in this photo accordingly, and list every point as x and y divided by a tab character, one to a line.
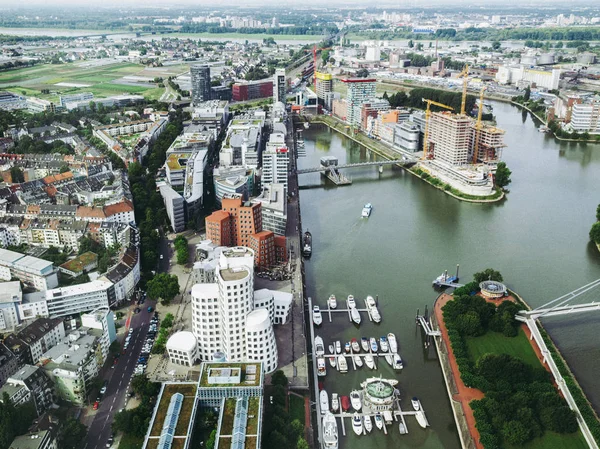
307	245
347	347
364	343
332	302
357	424
321	367
369	361
335	402
397	361
383	344
355	315
332	361
366	212
319	348
378	421
368	423
421	419
355	345
338	347
342	364
355	400
324	401
415	403
316	315
402	428
345	401
350	302
358	361
392	342
373	344
330	432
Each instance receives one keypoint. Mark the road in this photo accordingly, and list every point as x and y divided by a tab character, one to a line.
118	381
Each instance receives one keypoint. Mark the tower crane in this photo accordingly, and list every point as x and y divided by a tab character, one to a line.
478	126
427	116
464	74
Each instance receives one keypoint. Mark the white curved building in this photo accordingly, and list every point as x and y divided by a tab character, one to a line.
182	348
260	339
205	319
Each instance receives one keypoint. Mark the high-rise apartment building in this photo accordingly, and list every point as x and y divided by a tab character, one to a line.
586	118
360	90
324	85
279	86
275	159
200	75
450	137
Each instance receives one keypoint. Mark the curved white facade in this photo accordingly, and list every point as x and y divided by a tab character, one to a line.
182	348
205	319
260	339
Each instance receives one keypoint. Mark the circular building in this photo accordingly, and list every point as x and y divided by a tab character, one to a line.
492	289
182	348
260	340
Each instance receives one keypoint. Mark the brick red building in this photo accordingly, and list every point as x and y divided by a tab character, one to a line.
250	90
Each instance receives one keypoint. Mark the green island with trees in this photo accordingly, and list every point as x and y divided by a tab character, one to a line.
595	231
521	406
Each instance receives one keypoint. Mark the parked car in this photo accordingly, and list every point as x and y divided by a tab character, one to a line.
96	405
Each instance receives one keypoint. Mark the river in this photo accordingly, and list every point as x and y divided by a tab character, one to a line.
537	238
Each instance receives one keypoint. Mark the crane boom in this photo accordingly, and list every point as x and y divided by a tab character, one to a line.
464	74
427	115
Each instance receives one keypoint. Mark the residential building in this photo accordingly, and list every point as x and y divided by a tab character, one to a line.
34	272
200	75
101	324
586	118
407	136
279	86
117	234
273	201
242	142
269	249
372	109
10	298
252	90
125	275
324	85
182	348
275	160
38	337
175	205
29	384
83	263
75	299
234	180
450	137
37	440
73	365
9	362
359	91
243	219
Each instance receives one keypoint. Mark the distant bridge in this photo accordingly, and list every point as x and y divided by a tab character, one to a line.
404	161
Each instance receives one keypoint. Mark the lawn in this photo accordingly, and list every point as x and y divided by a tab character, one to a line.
552	440
296	408
252	423
189	392
493	342
228	416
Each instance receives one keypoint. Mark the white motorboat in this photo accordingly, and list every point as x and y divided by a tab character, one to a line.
383	344
378	421
357	424
355	345
350	302
319	348
402	428
366	212
342	364
358	361
421	419
321	367
364	344
332	302
370	302
392	342
375	315
335	402
324	401
338	347
389	359
416	403
347	346
369	361
332	362
355	314
331	349
355	400
317	317
368	423
330	432
373	344
397	361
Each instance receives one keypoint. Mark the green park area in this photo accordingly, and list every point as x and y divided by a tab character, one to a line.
521	407
48	81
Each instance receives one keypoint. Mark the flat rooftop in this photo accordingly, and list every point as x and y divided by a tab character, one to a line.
250	374
234	274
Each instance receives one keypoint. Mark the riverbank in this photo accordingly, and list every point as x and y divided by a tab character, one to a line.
386	152
562	139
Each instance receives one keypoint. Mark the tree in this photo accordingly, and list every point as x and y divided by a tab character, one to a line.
210	443
598	213
515	433
469	324
302	444
496	45
16	175
71	434
296	430
411	44
502	177
489	274
595	233
279	378
527	94
164	286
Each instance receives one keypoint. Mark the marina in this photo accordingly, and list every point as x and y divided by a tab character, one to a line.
352	311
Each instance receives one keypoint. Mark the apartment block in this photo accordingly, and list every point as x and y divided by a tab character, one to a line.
252	90
359	91
175	205
200	76
273	200
37	273
38	337
586	118
450	137
100	323
29	384
275	159
80	298
324	85
279	86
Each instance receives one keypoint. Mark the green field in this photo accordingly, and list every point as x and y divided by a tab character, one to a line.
493	342
553	440
103	80
250	37
296	408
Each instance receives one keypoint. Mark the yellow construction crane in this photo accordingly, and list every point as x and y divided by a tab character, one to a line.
464	74
478	126
427	115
